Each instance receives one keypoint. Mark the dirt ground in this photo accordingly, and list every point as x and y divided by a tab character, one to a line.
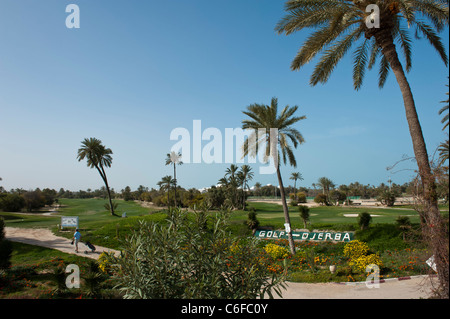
45	238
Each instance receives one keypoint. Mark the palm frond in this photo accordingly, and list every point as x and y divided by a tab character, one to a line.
359	64
375	52
333	55
384	72
433	38
405	43
436	11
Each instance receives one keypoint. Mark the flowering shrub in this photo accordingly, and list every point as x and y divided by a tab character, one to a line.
103	262
355	249
276	252
362	262
357	252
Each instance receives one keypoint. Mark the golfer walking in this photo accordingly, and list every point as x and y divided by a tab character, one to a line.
76	239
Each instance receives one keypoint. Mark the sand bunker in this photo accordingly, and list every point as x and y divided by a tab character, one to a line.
356	215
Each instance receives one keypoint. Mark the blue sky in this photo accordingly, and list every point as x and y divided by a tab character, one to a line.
135	70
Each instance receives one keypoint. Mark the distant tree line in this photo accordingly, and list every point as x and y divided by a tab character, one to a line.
229	192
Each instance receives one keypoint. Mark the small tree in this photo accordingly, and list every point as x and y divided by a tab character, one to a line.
252	221
301	197
387	198
12	203
304	214
364	220
404	224
321	199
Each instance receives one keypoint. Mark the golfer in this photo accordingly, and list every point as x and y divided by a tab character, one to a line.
76	238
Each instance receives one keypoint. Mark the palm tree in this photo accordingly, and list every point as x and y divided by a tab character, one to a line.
174	159
97	156
267	117
165	184
257	188
245	175
326	184
232	184
339	25
295	176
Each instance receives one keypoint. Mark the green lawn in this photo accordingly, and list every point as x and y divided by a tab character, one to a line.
95	221
272	214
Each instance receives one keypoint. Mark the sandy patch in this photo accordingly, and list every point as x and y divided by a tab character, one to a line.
356	215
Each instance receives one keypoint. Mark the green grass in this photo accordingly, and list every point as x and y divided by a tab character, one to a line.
272	215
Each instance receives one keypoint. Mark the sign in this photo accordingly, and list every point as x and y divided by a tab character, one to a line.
69	221
305	235
430	262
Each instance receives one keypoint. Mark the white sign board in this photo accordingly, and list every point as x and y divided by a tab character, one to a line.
69	221
430	262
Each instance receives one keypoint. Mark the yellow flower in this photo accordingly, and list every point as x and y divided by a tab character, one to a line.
276	252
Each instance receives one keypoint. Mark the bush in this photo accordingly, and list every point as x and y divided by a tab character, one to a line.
184	259
387	198
277	252
252	221
355	249
12	203
304	214
360	263
383	237
5	248
301	197
321	199
364	220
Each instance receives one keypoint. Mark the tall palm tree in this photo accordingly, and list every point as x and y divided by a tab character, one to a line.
326	184
267	117
174	159
97	156
231	182
296	176
165	184
245	175
340	24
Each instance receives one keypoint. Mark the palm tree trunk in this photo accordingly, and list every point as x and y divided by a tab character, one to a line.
105	180
175	179
286	211
295	190
433	227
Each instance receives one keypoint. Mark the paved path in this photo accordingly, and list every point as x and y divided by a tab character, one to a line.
45	238
414	288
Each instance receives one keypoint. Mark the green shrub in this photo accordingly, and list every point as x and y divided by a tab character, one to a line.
5	247
364	220
382	237
304	214
321	199
12	203
301	197
184	259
